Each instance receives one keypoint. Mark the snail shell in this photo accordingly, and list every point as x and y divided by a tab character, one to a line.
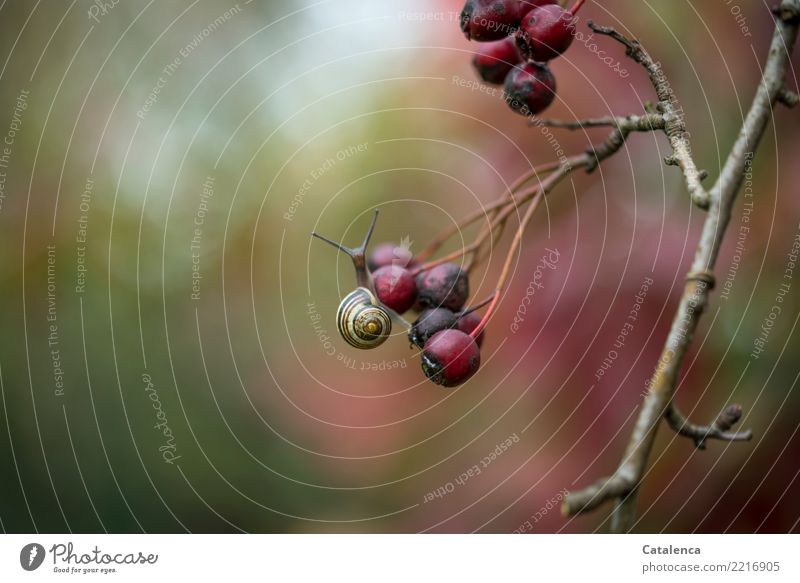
361	321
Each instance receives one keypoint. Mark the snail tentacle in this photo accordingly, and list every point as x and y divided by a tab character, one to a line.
357	254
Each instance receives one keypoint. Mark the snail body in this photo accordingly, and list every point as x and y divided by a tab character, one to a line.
362	321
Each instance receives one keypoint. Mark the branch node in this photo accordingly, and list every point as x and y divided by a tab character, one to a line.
632	46
589	498
674	124
720	429
788	98
787	12
701	200
728	418
705	276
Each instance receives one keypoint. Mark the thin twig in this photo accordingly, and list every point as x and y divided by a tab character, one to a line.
675	127
632	123
547	185
507	195
498	221
501	209
594	495
788	98
480	254
699	434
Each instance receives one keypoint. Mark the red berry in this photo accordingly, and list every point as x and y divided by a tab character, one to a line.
530	89
488	20
545	33
443	286
390	254
528	5
395	287
450	358
494	61
430	322
468	322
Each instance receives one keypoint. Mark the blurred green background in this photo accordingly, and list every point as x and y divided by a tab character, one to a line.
161	370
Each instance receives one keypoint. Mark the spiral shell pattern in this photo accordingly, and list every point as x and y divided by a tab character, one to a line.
361	321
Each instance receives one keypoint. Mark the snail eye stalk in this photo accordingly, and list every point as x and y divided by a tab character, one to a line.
357	254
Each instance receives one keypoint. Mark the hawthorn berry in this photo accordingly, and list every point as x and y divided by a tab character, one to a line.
530	89
390	254
545	33
528	5
494	61
488	20
467	323
430	322
450	357
395	287
443	286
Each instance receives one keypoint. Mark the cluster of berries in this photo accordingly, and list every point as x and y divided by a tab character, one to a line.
521	36
443	328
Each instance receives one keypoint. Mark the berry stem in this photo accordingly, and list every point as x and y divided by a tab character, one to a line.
502	216
475	308
478	255
492	207
576	7
501	282
499	220
450	231
485	320
545	187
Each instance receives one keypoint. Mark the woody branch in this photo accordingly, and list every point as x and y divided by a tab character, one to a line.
623	485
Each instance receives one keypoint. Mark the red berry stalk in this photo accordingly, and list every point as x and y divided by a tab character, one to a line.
576	7
492	208
544	188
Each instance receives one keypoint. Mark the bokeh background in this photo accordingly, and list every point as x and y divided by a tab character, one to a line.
162	369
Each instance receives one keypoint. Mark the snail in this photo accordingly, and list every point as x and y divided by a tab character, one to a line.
361	319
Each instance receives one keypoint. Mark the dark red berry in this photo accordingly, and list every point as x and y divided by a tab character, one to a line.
545	33
468	322
443	286
494	61
430	322
528	5
390	254
488	20
530	89
395	287
450	358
